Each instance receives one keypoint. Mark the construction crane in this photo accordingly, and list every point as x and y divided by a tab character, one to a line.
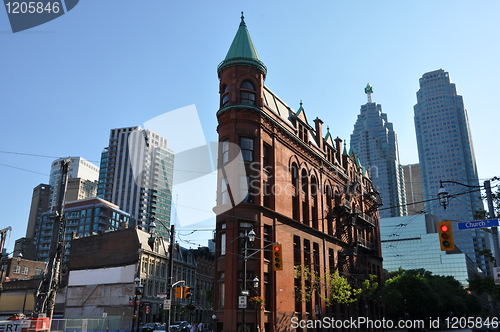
49	284
3	237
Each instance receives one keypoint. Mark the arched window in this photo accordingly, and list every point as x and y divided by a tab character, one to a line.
225	96
295	192
247	93
314	202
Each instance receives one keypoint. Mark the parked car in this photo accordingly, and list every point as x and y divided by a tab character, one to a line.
180	326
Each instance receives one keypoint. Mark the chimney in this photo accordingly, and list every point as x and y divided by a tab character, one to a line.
319	132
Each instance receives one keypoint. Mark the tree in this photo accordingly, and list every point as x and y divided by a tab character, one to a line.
418	294
481	285
339	290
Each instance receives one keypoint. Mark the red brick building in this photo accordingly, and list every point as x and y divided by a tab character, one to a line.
304	191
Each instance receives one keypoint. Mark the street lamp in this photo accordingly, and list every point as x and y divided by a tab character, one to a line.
257	312
444	201
248	238
138	291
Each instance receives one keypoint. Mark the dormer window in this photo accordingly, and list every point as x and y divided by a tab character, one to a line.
225	96
247	93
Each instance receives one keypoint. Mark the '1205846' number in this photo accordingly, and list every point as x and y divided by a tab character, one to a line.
32	7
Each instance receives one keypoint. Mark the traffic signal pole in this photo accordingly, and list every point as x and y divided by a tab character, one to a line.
170	285
491	211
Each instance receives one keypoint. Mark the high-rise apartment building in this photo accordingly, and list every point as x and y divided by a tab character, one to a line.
446	153
375	142
84	217
79	168
136	173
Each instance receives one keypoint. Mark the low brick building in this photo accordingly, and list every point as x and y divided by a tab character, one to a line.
300	188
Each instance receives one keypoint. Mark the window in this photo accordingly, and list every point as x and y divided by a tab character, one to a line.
247	93
17	269
224	192
225	151
223	244
25	270
266	157
244	190
225	96
246	146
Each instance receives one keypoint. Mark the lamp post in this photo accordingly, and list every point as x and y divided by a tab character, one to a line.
214	323
248	238
444	200
257	312
138	291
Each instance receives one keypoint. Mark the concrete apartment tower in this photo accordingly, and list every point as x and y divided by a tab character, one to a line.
446	153
375	143
136	173
82	180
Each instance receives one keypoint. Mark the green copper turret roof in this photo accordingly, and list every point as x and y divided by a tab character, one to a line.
242	51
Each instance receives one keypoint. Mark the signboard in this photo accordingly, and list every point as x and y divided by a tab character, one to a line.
496	275
478	224
12	325
166	304
242	302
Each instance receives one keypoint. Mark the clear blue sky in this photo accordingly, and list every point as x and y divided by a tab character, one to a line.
116	63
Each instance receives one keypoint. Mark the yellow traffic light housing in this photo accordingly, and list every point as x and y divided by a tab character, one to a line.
187	292
179	292
277	257
445	232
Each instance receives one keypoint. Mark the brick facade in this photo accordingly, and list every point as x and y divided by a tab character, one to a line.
303	192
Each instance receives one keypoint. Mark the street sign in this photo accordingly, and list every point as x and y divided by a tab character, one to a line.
478	224
166	304
242	302
496	275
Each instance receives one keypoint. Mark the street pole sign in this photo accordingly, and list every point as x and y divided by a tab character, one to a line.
478	224
242	301
166	304
496	275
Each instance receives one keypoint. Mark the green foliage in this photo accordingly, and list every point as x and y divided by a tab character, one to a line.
486	285
418	294
339	290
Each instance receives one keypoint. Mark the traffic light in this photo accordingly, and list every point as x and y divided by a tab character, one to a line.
277	257
179	292
187	292
445	232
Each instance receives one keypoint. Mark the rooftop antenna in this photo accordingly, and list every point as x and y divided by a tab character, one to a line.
369	91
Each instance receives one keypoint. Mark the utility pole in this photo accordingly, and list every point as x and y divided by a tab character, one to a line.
49	284
491	211
170	274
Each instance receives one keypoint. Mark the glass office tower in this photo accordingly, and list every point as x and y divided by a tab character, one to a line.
446	153
375	142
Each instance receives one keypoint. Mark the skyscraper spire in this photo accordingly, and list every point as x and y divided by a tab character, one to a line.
369	91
